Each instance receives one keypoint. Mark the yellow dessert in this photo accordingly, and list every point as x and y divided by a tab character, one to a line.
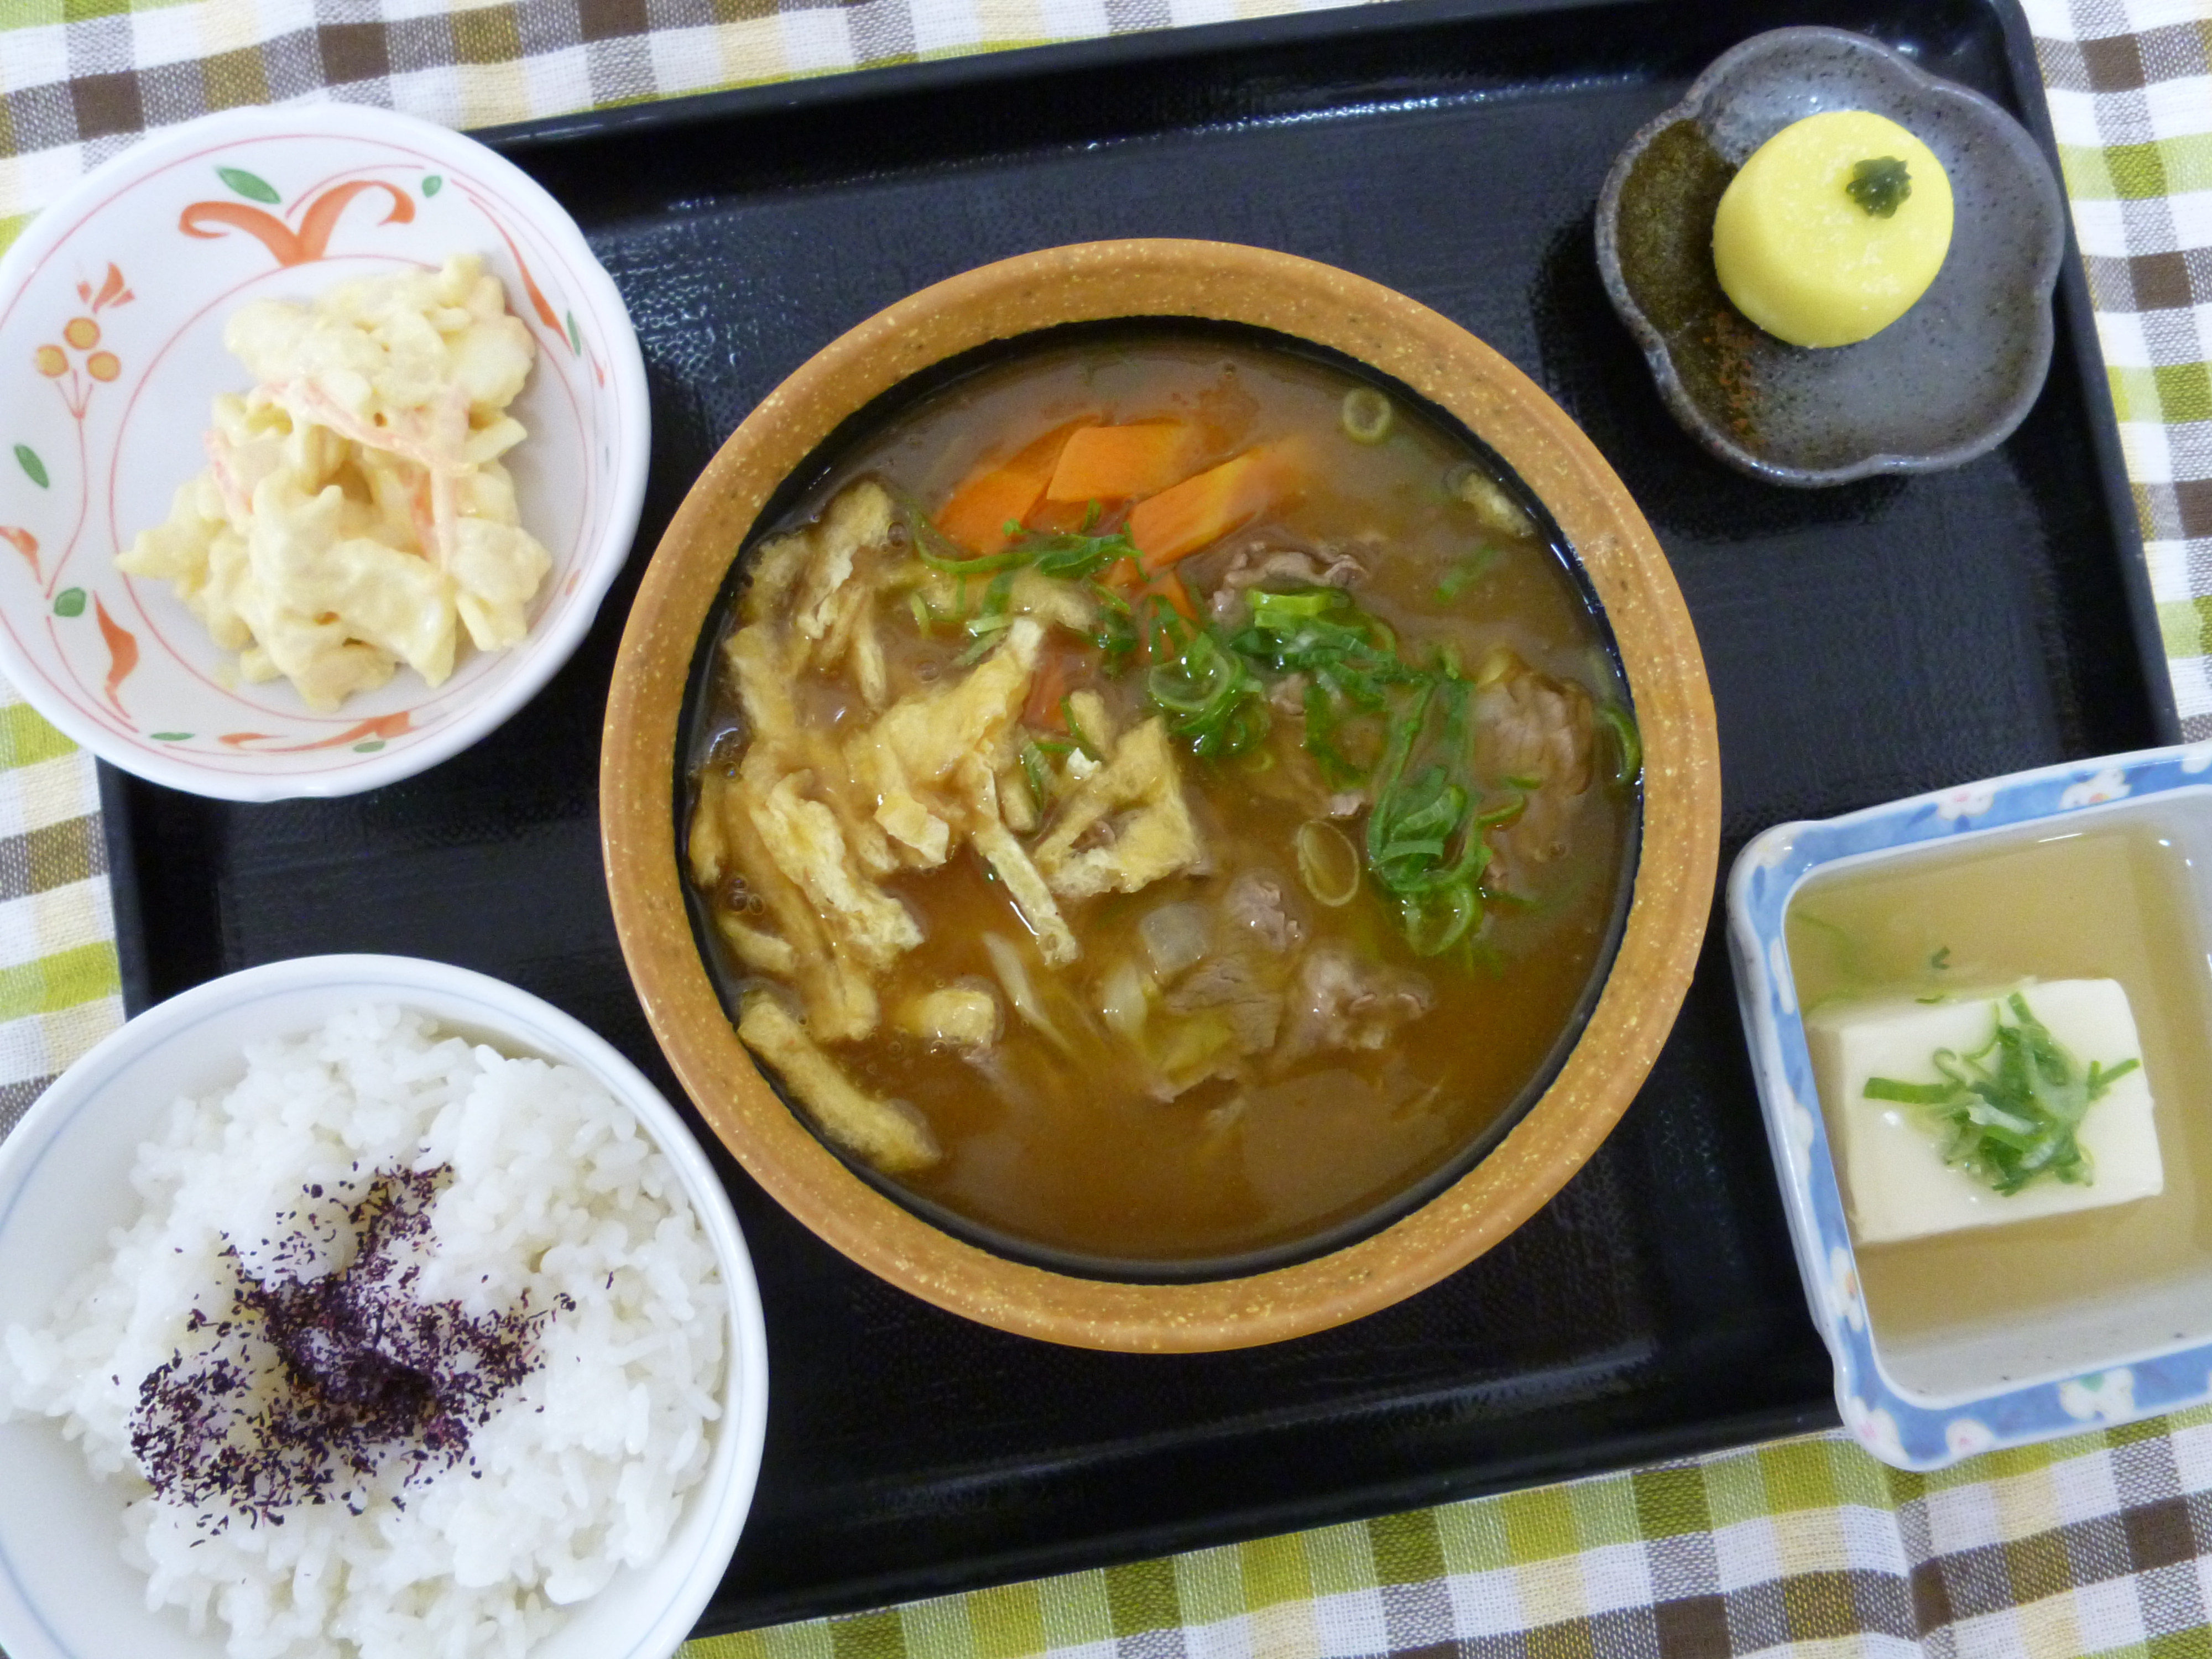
1833	228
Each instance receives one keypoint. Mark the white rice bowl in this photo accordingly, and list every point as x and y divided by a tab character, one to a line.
558	1201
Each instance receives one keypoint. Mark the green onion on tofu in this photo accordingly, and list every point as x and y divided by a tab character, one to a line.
2010	1112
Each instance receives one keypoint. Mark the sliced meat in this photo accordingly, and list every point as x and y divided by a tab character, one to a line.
1241	989
1341	1002
1258	906
1530	729
1534	734
1310	567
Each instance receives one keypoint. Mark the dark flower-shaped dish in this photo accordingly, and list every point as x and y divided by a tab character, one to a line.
1947	382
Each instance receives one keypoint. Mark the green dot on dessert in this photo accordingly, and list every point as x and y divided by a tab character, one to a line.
1833	228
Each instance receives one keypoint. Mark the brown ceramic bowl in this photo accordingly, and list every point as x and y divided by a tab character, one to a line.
1674	872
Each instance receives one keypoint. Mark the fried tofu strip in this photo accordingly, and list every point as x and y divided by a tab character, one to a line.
861	517
763	671
922	738
762	952
955	1013
911	759
705	848
1154	835
804	839
1058	603
832	615
776	566
889	1135
840	996
1056	943
927	836
764	668
1018	806
852	640
1091	713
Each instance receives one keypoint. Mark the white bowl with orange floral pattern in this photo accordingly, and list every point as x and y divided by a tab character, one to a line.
112	311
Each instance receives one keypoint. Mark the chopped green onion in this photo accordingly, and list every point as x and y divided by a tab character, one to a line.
1329	864
1628	743
2102	1077
1366	416
1090	750
1069	557
1910	1094
2010	1112
1465	572
974	564
1209	695
1436	922
1039	774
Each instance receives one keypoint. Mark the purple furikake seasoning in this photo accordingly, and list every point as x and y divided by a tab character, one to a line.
310	1386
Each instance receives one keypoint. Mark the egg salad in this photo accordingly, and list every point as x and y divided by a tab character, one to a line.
354	515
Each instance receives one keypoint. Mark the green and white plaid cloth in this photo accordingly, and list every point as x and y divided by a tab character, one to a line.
2091	1545
2099	1546
2130	91
59	992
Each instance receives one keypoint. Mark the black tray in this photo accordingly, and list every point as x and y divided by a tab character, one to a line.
1863	642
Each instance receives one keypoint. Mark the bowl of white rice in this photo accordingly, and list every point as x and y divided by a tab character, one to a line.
366	1306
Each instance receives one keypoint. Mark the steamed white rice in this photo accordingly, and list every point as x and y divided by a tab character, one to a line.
556	1191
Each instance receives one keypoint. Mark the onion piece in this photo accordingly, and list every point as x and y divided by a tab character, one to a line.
1021	991
1123	1001
1329	864
1176	936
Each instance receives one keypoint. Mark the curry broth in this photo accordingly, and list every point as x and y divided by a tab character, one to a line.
1065	1144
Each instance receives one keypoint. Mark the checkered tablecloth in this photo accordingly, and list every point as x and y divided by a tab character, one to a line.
2097	1546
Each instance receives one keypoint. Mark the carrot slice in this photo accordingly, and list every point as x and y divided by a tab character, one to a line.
1051	518
1000	492
1114	463
1055	669
1200	511
1169	586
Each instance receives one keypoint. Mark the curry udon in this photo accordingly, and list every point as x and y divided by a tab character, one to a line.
1159	800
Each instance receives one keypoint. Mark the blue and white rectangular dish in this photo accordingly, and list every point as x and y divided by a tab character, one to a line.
2146	1349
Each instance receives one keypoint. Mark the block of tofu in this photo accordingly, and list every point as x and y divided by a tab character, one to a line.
1896	1184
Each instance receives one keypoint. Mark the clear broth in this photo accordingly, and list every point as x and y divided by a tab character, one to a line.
2111	901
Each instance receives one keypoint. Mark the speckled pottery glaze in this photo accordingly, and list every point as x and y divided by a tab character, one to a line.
1166	279
2031	1385
1947	382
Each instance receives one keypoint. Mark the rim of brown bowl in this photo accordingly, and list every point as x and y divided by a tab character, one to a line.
1399	336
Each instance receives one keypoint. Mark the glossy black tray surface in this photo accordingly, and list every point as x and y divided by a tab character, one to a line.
1863	642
